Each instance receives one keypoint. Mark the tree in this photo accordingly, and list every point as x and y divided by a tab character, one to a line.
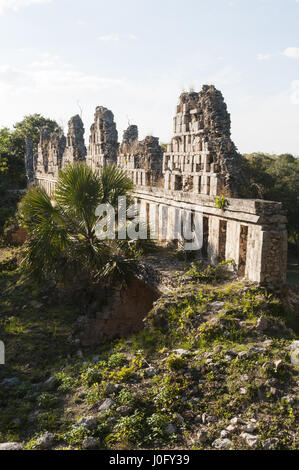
62	242
275	178
13	147
30	127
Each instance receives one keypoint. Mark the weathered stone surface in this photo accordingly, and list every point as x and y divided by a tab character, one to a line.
11	446
29	160
262	324
201	157
103	141
106	405
88	422
91	443
222	444
45	441
142	160
250	439
75	150
271	444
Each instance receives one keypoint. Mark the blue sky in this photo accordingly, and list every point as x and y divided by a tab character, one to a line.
136	56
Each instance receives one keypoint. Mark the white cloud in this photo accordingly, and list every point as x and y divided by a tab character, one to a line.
263	56
132	37
15	5
292	52
109	37
50	74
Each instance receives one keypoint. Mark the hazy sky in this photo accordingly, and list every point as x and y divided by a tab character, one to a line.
136	56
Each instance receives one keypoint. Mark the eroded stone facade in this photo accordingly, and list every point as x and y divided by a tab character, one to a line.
103	141
54	152
142	160
201	157
201	163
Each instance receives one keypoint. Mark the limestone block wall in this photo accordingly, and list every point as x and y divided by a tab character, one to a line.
103	141
250	232
201	156
142	159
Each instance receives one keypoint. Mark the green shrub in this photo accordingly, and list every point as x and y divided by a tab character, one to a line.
116	360
176	363
132	428
47	401
76	435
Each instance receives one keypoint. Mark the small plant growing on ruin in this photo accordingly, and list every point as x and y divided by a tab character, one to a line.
221	202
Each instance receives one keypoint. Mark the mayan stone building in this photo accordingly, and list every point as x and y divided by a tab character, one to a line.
201	158
201	163
103	141
142	160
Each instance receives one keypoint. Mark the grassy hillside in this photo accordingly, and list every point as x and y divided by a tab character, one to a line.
212	369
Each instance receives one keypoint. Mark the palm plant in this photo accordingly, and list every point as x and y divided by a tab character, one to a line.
62	242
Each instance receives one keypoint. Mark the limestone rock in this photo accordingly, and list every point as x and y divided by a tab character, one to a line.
45	441
262	324
10	382
106	405
88	422
202	436
170	429
91	443
271	444
250	439
11	446
222	444
50	384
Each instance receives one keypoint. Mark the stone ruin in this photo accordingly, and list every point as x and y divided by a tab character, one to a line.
201	162
54	152
103	141
201	157
142	160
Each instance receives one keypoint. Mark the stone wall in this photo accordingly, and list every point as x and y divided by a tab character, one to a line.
142	160
201	163
123	314
201	156
103	141
54	152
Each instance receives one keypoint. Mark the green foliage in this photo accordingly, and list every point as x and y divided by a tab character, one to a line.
176	363
13	148
127	398
91	375
208	274
116	360
47	401
275	178
221	202
62	243
131	428
157	424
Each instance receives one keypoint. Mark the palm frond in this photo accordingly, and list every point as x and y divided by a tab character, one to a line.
115	183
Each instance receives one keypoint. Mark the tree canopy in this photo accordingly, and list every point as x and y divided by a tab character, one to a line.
275	178
13	147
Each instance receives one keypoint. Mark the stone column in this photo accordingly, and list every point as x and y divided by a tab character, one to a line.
214	233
